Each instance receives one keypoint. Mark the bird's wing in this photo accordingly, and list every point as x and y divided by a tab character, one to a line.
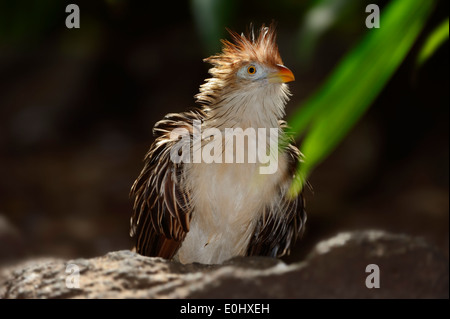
283	221
162	206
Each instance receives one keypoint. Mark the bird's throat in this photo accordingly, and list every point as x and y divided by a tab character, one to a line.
261	108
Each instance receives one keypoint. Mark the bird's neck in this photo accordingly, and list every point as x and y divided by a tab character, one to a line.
257	109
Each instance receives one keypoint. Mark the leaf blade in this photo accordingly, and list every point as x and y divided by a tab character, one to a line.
330	113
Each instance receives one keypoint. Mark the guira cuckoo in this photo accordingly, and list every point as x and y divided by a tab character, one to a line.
208	212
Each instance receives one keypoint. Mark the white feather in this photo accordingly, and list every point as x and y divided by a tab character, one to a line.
228	199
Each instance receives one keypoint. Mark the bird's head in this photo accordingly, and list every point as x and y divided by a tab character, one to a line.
249	68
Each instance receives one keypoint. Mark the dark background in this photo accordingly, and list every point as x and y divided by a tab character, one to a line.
77	107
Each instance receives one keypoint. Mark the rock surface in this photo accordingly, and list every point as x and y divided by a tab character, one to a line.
336	268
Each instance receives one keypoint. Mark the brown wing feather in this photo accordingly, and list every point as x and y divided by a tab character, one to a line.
283	222
162	209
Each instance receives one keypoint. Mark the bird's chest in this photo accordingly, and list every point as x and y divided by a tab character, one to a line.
228	200
233	185
233	191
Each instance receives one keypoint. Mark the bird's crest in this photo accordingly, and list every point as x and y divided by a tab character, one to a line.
242	49
245	48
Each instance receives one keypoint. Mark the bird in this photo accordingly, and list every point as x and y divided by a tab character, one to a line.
211	211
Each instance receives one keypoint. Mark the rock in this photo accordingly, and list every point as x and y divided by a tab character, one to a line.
336	268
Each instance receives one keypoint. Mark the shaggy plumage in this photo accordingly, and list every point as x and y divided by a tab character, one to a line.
210	212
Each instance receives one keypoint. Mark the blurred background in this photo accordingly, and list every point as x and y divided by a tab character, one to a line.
77	107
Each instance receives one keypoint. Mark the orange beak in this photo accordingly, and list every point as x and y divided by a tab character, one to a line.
281	75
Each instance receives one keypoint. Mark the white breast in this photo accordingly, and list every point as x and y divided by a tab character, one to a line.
228	200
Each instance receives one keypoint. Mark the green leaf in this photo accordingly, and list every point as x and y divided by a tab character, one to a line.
433	42
333	110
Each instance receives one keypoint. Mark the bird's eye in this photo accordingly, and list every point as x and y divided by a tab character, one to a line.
251	70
